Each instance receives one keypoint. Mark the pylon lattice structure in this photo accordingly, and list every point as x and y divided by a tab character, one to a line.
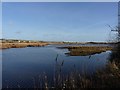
118	29
119	21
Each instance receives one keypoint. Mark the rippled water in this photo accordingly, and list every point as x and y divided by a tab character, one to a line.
21	65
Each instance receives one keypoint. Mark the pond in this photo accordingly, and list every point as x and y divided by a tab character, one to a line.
21	66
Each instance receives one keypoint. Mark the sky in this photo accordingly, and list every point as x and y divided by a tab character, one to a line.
59	0
0	20
58	21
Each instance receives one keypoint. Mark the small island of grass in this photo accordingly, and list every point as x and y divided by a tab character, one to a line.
85	50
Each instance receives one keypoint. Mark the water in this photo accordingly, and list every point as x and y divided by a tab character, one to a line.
0	69
21	65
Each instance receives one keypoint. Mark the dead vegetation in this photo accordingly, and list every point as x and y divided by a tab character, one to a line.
85	50
21	45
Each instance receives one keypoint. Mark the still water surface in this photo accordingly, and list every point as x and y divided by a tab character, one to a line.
21	65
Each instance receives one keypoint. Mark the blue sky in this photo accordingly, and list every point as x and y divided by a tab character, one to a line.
58	21
59	0
0	20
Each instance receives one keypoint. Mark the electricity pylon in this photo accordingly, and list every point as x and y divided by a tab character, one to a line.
118	28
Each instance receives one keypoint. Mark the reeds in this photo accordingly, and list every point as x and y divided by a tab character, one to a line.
21	45
85	50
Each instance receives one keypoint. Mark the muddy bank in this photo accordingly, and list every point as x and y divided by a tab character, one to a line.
85	50
21	45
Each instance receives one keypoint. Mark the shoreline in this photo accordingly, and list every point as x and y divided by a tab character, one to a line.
21	45
8	45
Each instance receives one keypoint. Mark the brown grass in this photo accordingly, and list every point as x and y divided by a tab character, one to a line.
86	50
21	45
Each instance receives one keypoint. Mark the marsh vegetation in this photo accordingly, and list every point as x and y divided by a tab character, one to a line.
85	50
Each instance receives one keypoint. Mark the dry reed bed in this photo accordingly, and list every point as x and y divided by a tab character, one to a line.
21	45
85	50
